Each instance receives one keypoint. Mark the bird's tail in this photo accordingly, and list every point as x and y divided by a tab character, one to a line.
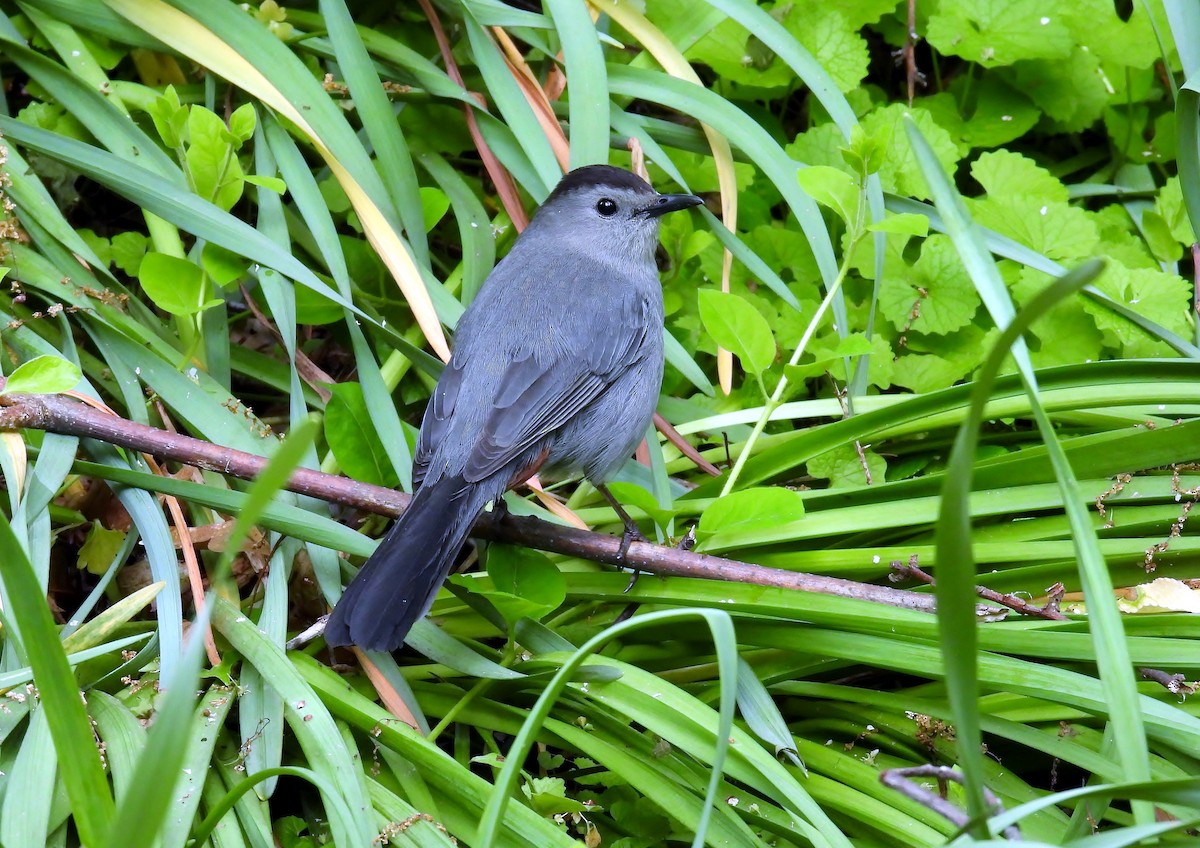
397	584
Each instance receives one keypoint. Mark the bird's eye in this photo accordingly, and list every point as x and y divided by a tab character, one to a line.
606	207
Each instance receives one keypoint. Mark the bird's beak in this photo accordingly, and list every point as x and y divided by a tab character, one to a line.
665	203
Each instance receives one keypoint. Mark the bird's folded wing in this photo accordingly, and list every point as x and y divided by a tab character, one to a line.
536	397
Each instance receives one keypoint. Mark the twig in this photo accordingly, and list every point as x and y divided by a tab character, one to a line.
912	75
57	414
1176	684
898	779
1195	268
1049	611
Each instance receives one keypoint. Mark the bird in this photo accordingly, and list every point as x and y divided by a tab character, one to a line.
556	369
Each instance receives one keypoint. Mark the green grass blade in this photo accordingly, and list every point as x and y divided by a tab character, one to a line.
511	103
151	795
309	720
25	814
124	739
379	122
956	585
66	717
104	120
722	633
1111	648
752	139
587	81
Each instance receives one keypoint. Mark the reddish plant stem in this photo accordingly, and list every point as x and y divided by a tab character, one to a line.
505	187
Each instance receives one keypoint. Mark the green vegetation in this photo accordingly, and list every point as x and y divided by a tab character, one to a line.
954	331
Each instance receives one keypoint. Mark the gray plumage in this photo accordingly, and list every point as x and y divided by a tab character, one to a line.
557	367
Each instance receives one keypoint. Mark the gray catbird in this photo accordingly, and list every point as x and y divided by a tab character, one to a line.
557	367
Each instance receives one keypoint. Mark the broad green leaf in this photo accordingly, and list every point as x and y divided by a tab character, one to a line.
737	326
832	188
242	122
1161	297
899	171
1068	332
1003	173
175	285
102	247
212	162
846	466
934	296
831	358
527	584
434	205
1055	229
749	510
1169	205
1000	32
170	118
224	267
832	37
312	307
270	183
903	223
43	375
548	796
1159	238
1070	90
128	250
353	438
1002	113
101	546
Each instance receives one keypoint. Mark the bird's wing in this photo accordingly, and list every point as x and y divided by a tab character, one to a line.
537	396
437	416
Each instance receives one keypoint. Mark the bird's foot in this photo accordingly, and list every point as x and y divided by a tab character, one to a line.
499	510
632	534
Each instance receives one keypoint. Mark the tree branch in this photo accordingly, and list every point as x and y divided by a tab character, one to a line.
59	414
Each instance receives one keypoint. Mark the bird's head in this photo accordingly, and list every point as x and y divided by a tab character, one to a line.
610	209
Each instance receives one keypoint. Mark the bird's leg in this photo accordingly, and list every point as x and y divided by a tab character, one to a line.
632	533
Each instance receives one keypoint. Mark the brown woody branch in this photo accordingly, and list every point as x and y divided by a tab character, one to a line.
58	414
1050	611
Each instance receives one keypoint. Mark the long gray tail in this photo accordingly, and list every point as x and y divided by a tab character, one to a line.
397	584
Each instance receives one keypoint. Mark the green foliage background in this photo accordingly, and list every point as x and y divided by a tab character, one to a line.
208	208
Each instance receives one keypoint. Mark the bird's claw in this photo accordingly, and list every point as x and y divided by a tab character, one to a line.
630	535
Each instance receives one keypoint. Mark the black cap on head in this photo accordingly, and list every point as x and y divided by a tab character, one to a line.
590	176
